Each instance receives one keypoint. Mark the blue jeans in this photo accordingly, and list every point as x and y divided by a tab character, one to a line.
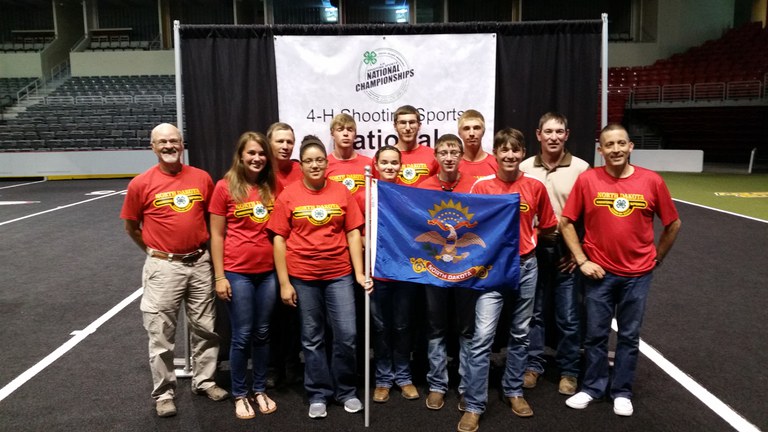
487	311
391	305
562	289
332	303
250	310
520	313
441	304
627	296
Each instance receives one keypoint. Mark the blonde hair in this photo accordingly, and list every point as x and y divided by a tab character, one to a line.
343	120
471	114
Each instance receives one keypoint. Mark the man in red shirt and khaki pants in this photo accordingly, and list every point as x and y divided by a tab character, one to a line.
165	212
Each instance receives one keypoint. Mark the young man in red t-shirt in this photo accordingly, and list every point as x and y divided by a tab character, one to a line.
445	303
345	165
475	162
418	161
282	139
536	216
617	204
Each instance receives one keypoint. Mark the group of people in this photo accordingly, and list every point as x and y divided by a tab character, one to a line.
293	230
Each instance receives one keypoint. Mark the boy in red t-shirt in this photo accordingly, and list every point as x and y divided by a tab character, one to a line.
345	165
418	161
536	216
475	162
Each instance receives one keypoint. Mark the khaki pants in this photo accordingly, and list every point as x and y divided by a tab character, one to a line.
166	284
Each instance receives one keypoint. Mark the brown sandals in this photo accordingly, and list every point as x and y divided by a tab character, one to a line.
266	405
243	409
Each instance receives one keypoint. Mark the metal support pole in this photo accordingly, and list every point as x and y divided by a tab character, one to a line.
185	363
603	83
367	255
179	90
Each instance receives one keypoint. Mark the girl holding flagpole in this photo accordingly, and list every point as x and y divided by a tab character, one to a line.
391	305
318	255
244	267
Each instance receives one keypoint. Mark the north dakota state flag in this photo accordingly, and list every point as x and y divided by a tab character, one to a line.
445	239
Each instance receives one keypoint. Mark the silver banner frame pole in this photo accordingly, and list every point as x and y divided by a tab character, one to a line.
367	256
182	327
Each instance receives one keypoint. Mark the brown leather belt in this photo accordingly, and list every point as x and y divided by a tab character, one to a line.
187	258
528	256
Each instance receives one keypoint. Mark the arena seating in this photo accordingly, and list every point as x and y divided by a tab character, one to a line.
10	86
733	67
94	113
711	97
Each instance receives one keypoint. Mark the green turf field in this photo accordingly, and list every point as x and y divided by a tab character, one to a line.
707	189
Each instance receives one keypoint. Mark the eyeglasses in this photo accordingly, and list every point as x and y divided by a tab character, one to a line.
318	161
172	141
446	153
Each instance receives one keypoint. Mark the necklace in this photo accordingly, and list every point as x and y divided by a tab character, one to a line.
448	187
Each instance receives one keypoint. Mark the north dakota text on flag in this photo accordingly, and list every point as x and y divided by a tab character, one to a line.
445	239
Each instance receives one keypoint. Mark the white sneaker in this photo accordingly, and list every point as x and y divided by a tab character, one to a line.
579	401
622	406
353	405
317	410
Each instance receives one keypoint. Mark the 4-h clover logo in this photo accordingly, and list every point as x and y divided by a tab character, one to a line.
383	75
369	57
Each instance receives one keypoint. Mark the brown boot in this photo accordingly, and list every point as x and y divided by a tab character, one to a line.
409	391
567	385
530	378
470	422
520	407
435	400
381	394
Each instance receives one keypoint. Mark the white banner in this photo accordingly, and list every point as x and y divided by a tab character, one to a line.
369	77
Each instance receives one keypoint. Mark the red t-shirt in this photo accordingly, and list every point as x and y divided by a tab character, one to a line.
350	173
315	226
284	178
462	186
618	217
534	205
417	165
247	248
482	168
170	208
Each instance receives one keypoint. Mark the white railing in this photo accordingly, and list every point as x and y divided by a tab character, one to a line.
676	93
744	90
709	91
156	99
699	92
646	94
29	90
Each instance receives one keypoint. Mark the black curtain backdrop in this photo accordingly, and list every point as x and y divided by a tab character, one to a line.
544	67
230	85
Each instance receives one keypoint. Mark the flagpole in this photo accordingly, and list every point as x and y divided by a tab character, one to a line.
367	255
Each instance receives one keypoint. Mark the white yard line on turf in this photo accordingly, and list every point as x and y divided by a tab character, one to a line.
77	337
23	184
711	401
60	208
